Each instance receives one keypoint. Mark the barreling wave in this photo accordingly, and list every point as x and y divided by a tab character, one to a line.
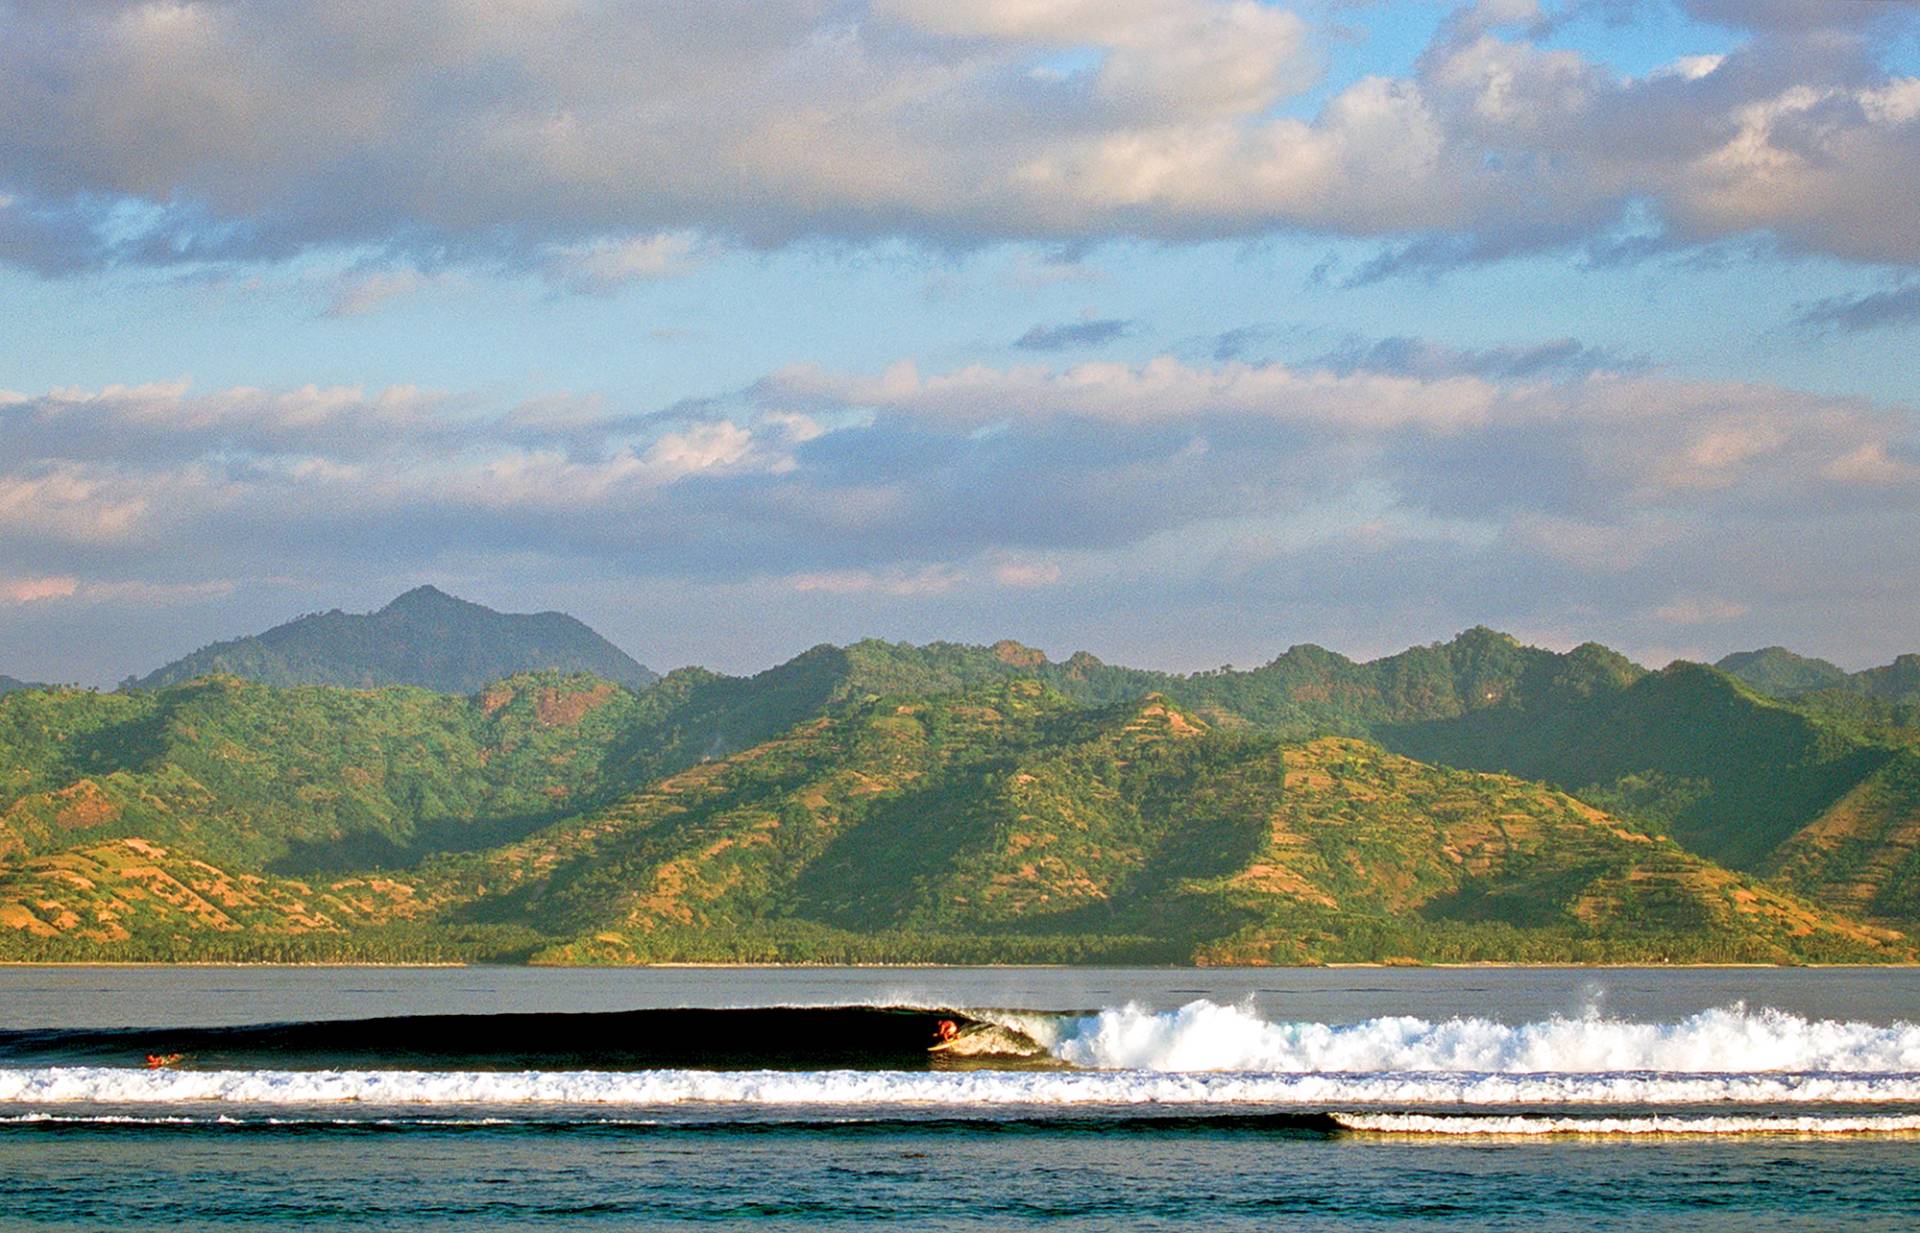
775	1038
867	1089
1203	1056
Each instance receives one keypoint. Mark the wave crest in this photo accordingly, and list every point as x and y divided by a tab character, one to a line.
1208	1036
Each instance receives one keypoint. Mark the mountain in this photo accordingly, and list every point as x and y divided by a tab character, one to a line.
1012	824
308	778
425	638
1780	673
1898	681
9	684
1688	750
1861	856
875	802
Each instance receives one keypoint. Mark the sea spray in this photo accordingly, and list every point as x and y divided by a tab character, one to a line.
1204	1035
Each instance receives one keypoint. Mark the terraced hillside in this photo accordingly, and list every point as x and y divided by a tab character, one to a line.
568	820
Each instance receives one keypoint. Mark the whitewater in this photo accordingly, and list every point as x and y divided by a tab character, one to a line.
1760	1071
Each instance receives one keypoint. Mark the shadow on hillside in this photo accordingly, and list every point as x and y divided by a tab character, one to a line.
367	851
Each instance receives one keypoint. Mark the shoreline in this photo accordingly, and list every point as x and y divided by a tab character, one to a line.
1009	967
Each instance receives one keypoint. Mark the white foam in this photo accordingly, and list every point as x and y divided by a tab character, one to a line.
1208	1036
1427	1124
981	1088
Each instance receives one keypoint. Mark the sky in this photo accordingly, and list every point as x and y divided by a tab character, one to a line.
1179	331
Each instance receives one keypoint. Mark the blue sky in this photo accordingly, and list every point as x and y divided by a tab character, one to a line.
1175	330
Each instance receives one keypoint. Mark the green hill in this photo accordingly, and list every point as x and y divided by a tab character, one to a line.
1779	673
566	819
1689	750
425	638
305	778
1862	855
10	684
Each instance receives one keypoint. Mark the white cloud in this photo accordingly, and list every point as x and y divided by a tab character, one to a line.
595	143
602	266
1599	495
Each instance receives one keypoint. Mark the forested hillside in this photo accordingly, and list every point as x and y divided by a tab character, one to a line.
1471	800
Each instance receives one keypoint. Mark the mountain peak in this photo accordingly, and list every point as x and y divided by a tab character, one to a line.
1778	672
1484	635
427	598
424	637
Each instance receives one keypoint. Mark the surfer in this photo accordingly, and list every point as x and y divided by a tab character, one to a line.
160	1061
946	1030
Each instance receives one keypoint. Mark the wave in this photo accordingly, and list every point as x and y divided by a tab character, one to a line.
867	1089
880	1052
1101	1122
1121	1122
1208	1036
1523	1126
782	1037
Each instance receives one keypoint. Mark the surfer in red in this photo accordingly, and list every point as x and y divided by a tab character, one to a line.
159	1061
946	1030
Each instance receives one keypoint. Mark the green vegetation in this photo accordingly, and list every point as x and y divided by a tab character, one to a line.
425	638
1688	751
308	778
1475	800
1779	673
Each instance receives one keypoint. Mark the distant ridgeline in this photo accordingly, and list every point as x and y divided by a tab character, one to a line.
426	638
1477	800
9	684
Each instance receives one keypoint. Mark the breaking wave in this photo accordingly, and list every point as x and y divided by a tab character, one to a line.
1389	1072
1209	1036
1200	1036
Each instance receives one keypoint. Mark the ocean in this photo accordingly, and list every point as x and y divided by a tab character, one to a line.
472	1098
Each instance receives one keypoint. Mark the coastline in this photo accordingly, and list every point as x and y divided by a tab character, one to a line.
1009	967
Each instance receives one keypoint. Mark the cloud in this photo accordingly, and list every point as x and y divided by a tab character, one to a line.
1093	333
1416	357
1435	490
1871	311
1027	574
586	144
930	580
1701	611
1238	343
816	472
603	266
359	293
35	590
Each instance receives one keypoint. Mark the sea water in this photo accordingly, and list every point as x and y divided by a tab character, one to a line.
802	1098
